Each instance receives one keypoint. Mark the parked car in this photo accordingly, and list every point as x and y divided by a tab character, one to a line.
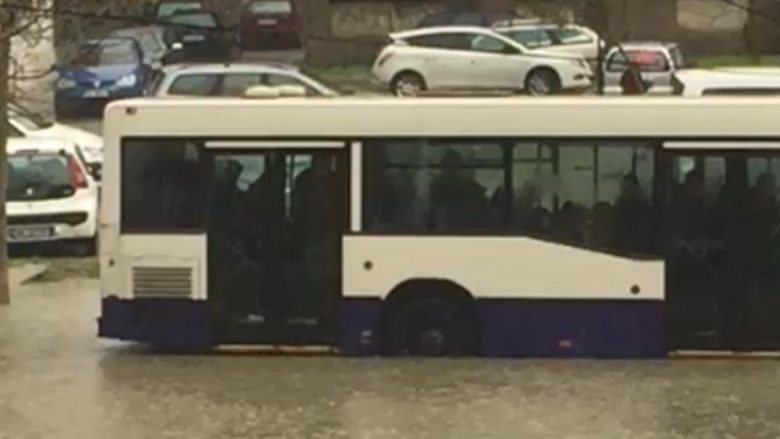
166	8
197	36
232	80
23	123
152	42
657	61
50	195
102	70
566	38
270	24
720	82
474	58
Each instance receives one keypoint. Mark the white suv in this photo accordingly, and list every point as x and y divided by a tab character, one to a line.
566	38
474	58
50	194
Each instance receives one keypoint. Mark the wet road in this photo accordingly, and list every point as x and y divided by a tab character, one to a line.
58	381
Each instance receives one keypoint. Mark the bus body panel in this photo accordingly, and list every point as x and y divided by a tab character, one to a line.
497	268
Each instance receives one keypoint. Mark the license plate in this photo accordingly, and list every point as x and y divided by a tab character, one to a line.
193	38
266	21
96	94
22	234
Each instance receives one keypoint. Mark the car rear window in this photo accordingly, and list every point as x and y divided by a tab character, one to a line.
270	7
38	176
647	60
106	53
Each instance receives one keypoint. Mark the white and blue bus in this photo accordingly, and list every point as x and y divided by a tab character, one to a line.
512	227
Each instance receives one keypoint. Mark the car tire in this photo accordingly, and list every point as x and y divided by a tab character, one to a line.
85	247
407	84
433	326
542	82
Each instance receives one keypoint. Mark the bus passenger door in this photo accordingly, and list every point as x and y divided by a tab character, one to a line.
723	251
275	245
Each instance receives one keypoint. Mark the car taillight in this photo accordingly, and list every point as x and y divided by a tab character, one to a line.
383	58
77	177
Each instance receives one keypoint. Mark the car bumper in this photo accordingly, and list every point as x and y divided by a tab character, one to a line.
579	81
87	96
25	229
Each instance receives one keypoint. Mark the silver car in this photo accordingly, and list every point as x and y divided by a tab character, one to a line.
658	61
231	80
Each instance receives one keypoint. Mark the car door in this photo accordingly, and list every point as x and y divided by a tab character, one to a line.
442	58
495	64
274	79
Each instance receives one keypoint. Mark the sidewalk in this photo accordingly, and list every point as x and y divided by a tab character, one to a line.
18	275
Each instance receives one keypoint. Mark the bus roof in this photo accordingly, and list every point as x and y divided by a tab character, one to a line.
618	117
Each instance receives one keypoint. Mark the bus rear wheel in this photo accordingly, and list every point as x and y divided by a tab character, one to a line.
432	326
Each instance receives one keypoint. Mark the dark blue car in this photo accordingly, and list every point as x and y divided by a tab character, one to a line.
102	70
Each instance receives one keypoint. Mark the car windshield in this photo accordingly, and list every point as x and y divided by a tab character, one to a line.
197	20
169	8
148	39
30	120
270	7
105	53
37	176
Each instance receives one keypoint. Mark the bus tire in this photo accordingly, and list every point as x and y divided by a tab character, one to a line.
432	326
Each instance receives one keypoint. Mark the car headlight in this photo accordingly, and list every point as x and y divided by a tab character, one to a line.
92	153
127	80
65	83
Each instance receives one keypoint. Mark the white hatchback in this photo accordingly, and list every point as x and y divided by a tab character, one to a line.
24	123
474	58
50	194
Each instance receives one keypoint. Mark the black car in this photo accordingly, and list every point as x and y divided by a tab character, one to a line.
198	36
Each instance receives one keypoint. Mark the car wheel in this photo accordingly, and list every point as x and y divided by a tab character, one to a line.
541	82
408	84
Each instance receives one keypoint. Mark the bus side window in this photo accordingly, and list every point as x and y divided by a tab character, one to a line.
162	186
436	186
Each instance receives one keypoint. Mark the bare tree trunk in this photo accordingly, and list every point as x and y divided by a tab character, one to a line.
5	54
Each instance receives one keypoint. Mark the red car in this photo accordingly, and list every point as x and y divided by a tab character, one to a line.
270	24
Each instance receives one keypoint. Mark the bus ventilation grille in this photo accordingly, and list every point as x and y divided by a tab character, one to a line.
162	281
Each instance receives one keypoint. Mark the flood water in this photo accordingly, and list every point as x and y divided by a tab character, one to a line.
58	381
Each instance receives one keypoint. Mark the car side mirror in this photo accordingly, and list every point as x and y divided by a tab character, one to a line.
509	50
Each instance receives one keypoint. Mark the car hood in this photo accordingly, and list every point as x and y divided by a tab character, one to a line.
91	144
103	73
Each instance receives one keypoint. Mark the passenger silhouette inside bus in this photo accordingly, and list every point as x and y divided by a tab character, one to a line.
632	217
457	201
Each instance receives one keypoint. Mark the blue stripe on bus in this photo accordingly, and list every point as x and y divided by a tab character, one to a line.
170	324
536	328
509	328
